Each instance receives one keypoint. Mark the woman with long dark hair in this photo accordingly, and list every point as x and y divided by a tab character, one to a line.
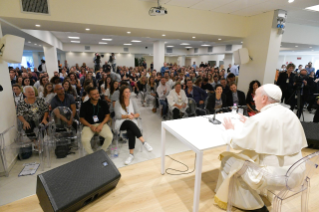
151	93
105	87
43	82
253	85
48	93
68	88
126	113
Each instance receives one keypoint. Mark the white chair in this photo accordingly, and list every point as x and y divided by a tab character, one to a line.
282	187
2	150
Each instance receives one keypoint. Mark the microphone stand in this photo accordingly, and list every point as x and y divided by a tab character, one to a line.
216	121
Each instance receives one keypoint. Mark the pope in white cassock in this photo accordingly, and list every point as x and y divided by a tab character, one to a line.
273	139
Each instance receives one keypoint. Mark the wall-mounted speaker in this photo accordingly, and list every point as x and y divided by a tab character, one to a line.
11	48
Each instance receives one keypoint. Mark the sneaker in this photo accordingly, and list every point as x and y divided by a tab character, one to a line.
129	159
147	146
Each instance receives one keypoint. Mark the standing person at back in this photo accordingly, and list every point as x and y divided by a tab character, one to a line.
310	68
164	69
112	61
285	81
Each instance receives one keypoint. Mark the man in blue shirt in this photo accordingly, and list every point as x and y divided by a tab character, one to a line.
194	65
163	69
234	70
310	68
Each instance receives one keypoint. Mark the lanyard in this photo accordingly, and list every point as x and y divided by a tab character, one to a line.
98	109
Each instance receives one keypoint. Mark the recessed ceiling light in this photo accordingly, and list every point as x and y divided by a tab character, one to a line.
128	32
188	47
107	39
163	35
39	45
205	45
219	39
35	44
37	25
184	44
102	43
290	1
312	50
194	37
136	41
75	41
127	44
296	46
241	42
310	47
313	8
29	42
170	46
74	37
87	29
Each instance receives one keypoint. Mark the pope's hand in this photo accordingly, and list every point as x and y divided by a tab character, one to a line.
242	118
228	124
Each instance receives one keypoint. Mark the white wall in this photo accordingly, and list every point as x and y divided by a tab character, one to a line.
305	59
229	59
87	57
296	33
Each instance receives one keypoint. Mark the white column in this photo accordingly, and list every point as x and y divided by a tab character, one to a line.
8	111
158	55
51	60
263	44
181	60
36	61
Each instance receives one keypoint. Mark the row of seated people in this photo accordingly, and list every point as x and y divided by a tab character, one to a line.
94	114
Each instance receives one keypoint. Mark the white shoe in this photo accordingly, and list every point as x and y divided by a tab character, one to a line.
147	146
129	159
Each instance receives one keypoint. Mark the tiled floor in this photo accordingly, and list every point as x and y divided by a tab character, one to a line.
13	187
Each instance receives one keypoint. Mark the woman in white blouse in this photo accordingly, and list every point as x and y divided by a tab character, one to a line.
126	113
177	101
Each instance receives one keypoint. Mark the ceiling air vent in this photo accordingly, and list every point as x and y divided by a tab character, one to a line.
229	47
210	49
126	49
196	50
169	50
87	47
35	6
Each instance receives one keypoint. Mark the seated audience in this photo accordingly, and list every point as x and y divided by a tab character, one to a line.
32	111
224	85
94	115
235	96
43	81
198	94
126	112
217	100
17	94
177	101
69	89
114	76
48	93
64	100
151	93
163	90
141	89
251	108
114	95
26	82
206	86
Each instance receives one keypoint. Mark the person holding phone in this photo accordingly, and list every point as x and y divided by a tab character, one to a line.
126	114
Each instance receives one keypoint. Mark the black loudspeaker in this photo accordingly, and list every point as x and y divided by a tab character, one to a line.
76	184
312	134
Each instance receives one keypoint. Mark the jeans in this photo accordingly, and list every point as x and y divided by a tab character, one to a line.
165	106
113	67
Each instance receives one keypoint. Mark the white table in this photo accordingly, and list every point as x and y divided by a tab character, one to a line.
199	135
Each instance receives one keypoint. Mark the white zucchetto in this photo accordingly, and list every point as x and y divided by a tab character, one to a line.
273	91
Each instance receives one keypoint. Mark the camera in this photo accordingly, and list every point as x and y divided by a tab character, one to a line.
299	80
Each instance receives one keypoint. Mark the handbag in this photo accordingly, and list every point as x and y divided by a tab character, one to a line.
63	150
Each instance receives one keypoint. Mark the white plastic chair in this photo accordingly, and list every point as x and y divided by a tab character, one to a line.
282	187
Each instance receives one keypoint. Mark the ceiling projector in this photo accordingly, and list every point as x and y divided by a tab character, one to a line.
157	11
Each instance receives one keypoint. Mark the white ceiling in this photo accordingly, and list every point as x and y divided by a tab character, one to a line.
296	10
94	39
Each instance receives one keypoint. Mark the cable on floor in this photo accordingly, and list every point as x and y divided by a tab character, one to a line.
181	171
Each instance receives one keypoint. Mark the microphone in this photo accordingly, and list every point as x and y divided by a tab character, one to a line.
216	121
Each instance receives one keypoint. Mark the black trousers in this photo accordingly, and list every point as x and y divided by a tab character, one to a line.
294	102
287	96
176	113
132	132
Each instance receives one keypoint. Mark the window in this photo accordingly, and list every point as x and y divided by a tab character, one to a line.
27	62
